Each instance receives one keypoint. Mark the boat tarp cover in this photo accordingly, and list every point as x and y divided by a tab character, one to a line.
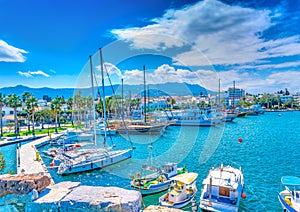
186	178
290	180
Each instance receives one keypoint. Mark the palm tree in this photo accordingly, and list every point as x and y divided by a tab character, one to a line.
69	103
78	104
44	116
55	106
31	103
2	102
25	108
14	101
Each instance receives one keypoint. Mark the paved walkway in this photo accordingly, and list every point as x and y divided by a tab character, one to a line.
13	140
28	158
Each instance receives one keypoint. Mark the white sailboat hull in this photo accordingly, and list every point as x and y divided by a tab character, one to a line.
96	162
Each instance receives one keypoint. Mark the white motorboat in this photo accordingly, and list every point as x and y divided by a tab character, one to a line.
290	197
182	191
223	189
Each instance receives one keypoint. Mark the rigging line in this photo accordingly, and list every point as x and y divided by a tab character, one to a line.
94	114
118	106
99	95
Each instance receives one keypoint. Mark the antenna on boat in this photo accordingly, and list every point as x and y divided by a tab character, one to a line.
93	102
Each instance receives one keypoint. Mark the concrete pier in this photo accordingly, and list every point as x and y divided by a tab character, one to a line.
64	196
28	157
72	196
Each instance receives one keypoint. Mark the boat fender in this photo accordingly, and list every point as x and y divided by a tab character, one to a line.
92	165
243	195
70	168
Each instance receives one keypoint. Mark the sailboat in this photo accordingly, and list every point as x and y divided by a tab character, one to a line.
141	126
94	158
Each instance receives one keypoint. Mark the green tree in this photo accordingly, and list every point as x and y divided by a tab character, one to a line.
2	102
25	109
14	102
43	116
31	103
55	107
70	103
2	162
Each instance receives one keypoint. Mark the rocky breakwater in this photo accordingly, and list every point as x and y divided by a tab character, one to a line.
67	196
20	189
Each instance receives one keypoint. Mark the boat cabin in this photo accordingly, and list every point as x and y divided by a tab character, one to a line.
296	196
224	184
183	187
169	169
178	194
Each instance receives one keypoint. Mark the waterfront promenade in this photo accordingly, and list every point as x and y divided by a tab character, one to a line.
28	157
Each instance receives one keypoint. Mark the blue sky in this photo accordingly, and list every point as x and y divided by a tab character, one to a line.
254	43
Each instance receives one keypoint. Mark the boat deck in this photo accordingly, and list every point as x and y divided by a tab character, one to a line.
221	200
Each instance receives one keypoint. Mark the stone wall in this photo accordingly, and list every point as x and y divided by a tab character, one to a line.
20	189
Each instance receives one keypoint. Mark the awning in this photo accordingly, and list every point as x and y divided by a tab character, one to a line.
186	178
290	180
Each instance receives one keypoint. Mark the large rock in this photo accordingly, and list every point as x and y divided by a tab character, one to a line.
69	196
16	186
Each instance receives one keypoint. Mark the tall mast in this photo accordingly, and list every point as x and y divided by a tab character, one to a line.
145	94
93	102
103	91
219	93
233	93
122	102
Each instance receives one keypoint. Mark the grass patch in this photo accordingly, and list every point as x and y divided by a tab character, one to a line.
38	131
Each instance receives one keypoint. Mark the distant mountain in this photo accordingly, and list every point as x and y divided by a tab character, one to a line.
167	89
38	92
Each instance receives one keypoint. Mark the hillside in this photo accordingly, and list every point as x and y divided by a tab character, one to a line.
171	89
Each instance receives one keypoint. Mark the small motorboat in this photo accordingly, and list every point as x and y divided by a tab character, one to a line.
290	197
182	191
157	181
223	189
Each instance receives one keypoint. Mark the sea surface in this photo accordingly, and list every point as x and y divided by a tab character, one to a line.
270	149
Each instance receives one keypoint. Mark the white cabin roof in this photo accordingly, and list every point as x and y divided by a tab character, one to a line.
225	177
186	178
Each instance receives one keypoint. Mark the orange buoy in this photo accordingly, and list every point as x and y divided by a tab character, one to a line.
51	164
243	195
240	140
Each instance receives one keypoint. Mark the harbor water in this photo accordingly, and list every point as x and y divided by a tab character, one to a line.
269	150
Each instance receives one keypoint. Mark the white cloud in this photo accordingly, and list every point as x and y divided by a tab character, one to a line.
218	34
209	79
166	73
10	53
256	83
25	74
31	73
271	66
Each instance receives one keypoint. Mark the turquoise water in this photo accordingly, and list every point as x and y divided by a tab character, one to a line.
269	150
